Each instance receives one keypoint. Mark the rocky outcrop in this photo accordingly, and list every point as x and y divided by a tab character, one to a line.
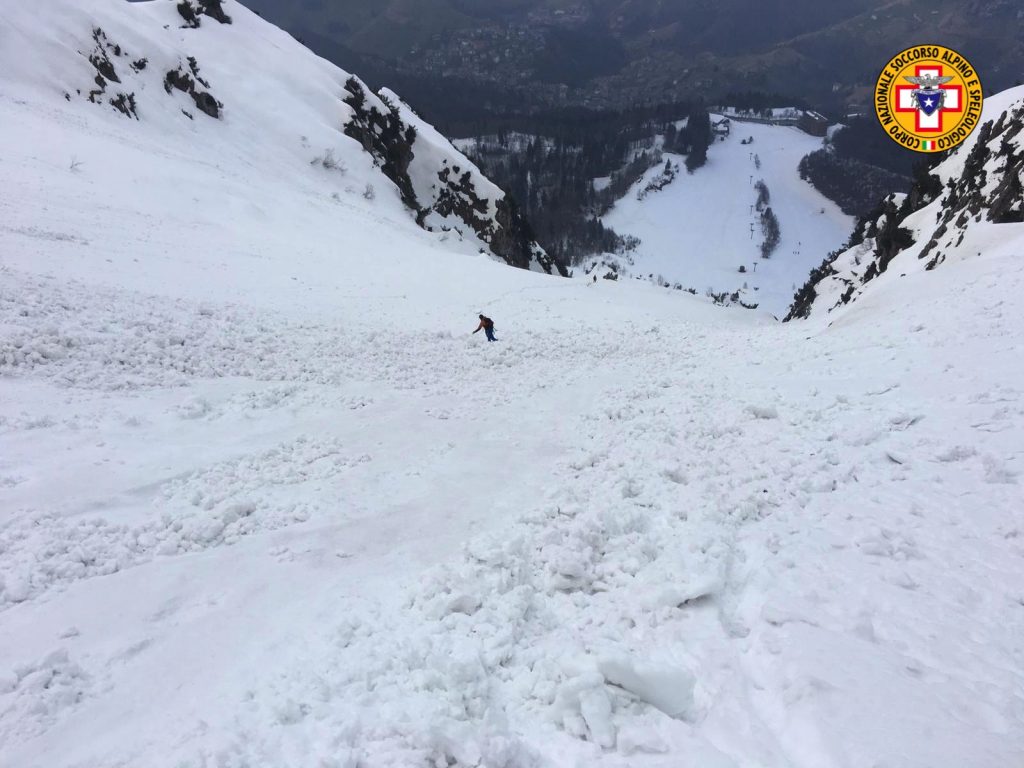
186	83
945	214
437	182
190	11
382	133
106	73
102	57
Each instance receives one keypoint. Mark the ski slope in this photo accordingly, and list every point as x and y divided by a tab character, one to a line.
265	501
697	230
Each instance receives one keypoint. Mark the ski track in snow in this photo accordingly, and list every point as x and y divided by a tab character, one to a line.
711	520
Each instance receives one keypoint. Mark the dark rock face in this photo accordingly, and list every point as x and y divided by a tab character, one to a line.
125	104
191	13
184	82
207	104
175	78
100	60
188	13
105	67
385	137
391	142
193	66
990	188
106	73
215	10
508	234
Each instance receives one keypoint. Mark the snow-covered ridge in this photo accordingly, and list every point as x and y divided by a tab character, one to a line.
451	192
971	203
210	72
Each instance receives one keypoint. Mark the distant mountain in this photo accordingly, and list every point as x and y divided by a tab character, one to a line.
615	53
969	205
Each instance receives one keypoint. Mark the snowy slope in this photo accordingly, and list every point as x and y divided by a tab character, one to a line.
264	500
242	98
697	230
235	536
972	205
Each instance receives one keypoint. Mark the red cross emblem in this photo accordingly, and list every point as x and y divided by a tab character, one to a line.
929	104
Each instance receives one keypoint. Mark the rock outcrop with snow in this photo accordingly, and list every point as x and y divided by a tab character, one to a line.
968	204
446	190
166	65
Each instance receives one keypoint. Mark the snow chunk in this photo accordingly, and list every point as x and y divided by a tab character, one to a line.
762	411
666	686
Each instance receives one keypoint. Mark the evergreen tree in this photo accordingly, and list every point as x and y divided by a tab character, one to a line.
771	231
698	138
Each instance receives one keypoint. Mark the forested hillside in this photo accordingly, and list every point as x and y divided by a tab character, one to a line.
570	175
859	166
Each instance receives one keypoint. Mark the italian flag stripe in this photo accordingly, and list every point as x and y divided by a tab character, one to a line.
925	144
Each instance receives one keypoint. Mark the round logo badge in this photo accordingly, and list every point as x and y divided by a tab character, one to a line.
928	98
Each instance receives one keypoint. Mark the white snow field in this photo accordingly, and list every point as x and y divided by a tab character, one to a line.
264	500
697	230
